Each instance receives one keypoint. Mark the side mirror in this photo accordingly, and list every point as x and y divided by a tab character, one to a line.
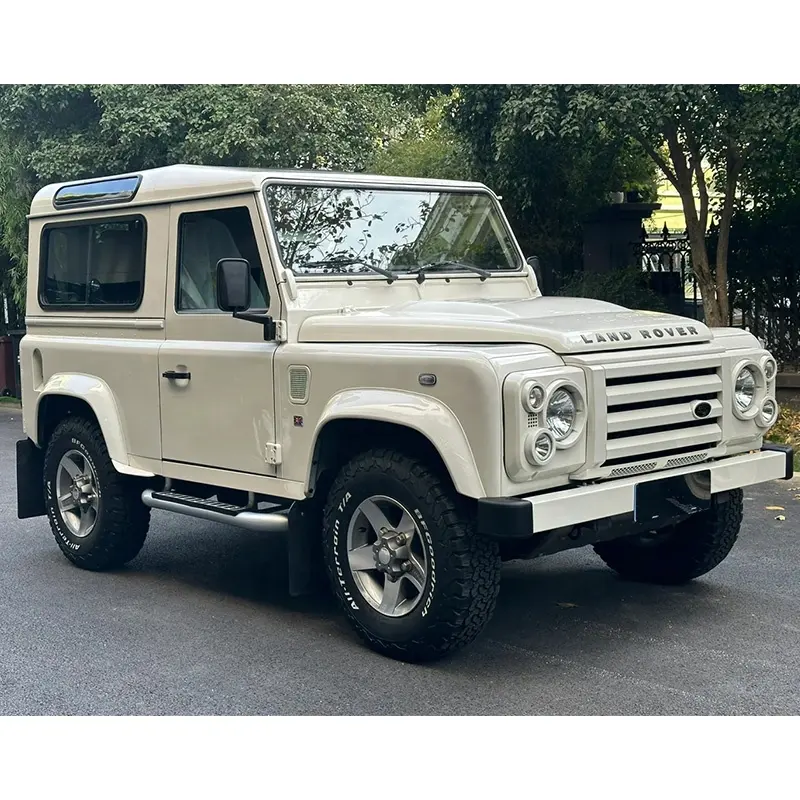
233	284
533	261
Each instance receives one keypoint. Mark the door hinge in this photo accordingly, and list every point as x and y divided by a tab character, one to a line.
273	453
280	330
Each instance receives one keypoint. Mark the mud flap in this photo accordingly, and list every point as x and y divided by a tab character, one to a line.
304	547
30	487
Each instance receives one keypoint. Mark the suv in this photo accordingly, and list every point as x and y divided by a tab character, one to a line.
367	365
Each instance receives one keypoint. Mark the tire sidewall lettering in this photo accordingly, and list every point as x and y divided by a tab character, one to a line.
69	541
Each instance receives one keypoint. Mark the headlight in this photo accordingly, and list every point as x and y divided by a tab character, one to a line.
539	447
770	368
532	397
744	390
561	414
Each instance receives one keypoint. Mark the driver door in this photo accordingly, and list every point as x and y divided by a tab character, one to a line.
216	372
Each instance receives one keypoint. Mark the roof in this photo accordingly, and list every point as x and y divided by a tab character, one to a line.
189	182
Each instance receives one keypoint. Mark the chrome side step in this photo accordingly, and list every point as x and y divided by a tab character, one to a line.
213	511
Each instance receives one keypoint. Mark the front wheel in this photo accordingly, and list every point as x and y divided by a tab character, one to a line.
414	579
682	552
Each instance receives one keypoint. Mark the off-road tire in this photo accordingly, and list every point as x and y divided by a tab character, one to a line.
681	553
122	520
460	597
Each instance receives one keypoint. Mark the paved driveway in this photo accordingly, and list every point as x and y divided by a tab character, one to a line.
200	623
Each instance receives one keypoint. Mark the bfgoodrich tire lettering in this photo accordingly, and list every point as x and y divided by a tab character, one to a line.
463	570
122	520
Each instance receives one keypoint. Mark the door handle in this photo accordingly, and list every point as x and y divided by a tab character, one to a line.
172	375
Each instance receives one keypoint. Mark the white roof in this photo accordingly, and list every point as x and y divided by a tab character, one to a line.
187	182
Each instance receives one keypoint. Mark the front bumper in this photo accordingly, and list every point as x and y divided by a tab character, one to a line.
521	517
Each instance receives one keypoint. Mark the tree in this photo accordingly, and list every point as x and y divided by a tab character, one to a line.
683	129
428	146
549	183
61	132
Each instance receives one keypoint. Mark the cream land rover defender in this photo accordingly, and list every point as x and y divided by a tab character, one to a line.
367	363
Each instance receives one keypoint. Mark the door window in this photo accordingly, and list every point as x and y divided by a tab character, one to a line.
205	237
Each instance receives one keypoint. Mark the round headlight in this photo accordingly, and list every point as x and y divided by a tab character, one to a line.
769	412
532	397
770	368
744	390
561	413
539	447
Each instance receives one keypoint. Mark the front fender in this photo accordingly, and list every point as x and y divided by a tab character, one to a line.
426	415
99	397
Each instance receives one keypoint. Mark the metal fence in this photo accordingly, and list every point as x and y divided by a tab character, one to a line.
667	258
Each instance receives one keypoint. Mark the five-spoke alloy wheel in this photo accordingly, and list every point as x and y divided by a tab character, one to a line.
386	555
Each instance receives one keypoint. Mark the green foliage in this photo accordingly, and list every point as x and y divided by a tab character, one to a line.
428	147
629	288
549	182
58	132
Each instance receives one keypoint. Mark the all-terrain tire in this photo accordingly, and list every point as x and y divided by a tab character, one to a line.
464	569
122	519
681	553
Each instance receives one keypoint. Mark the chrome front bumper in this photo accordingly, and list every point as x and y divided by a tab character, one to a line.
520	517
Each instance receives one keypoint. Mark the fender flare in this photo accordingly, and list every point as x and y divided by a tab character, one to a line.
424	414
97	394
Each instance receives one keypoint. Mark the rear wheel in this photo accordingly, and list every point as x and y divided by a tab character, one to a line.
682	552
96	515
412	576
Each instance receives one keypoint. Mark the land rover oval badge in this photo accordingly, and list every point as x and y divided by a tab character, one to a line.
701	409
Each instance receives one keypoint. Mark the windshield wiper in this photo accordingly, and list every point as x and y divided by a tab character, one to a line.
421	270
344	262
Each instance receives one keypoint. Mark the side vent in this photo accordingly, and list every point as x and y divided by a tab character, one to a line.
299	378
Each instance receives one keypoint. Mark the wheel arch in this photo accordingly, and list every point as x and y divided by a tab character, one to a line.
81	395
416	424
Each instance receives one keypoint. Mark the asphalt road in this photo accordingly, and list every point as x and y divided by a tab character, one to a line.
201	623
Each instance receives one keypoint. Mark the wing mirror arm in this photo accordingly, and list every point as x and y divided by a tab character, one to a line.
233	294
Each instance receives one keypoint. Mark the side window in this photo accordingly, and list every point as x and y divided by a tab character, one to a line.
93	264
205	237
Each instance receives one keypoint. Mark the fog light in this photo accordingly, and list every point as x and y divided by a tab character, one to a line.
769	413
539	447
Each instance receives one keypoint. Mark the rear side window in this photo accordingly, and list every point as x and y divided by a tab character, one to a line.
93	264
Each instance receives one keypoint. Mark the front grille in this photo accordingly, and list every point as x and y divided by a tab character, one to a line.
649	413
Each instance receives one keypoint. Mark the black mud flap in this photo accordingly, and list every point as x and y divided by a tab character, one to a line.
30	485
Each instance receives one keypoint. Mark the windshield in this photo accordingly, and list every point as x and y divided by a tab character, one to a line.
329	230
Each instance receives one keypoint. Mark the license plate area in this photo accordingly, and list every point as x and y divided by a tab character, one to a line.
661	501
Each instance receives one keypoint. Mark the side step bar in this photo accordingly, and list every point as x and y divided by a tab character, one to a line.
213	511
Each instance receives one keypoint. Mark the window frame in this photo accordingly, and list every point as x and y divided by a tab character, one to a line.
83	222
179	254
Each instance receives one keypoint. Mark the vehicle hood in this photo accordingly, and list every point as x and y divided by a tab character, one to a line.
563	324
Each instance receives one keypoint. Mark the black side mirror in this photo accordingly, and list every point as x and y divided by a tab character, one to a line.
533	261
233	284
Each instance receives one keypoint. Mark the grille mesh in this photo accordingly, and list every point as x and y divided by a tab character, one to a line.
298	384
635	469
685	460
533	420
